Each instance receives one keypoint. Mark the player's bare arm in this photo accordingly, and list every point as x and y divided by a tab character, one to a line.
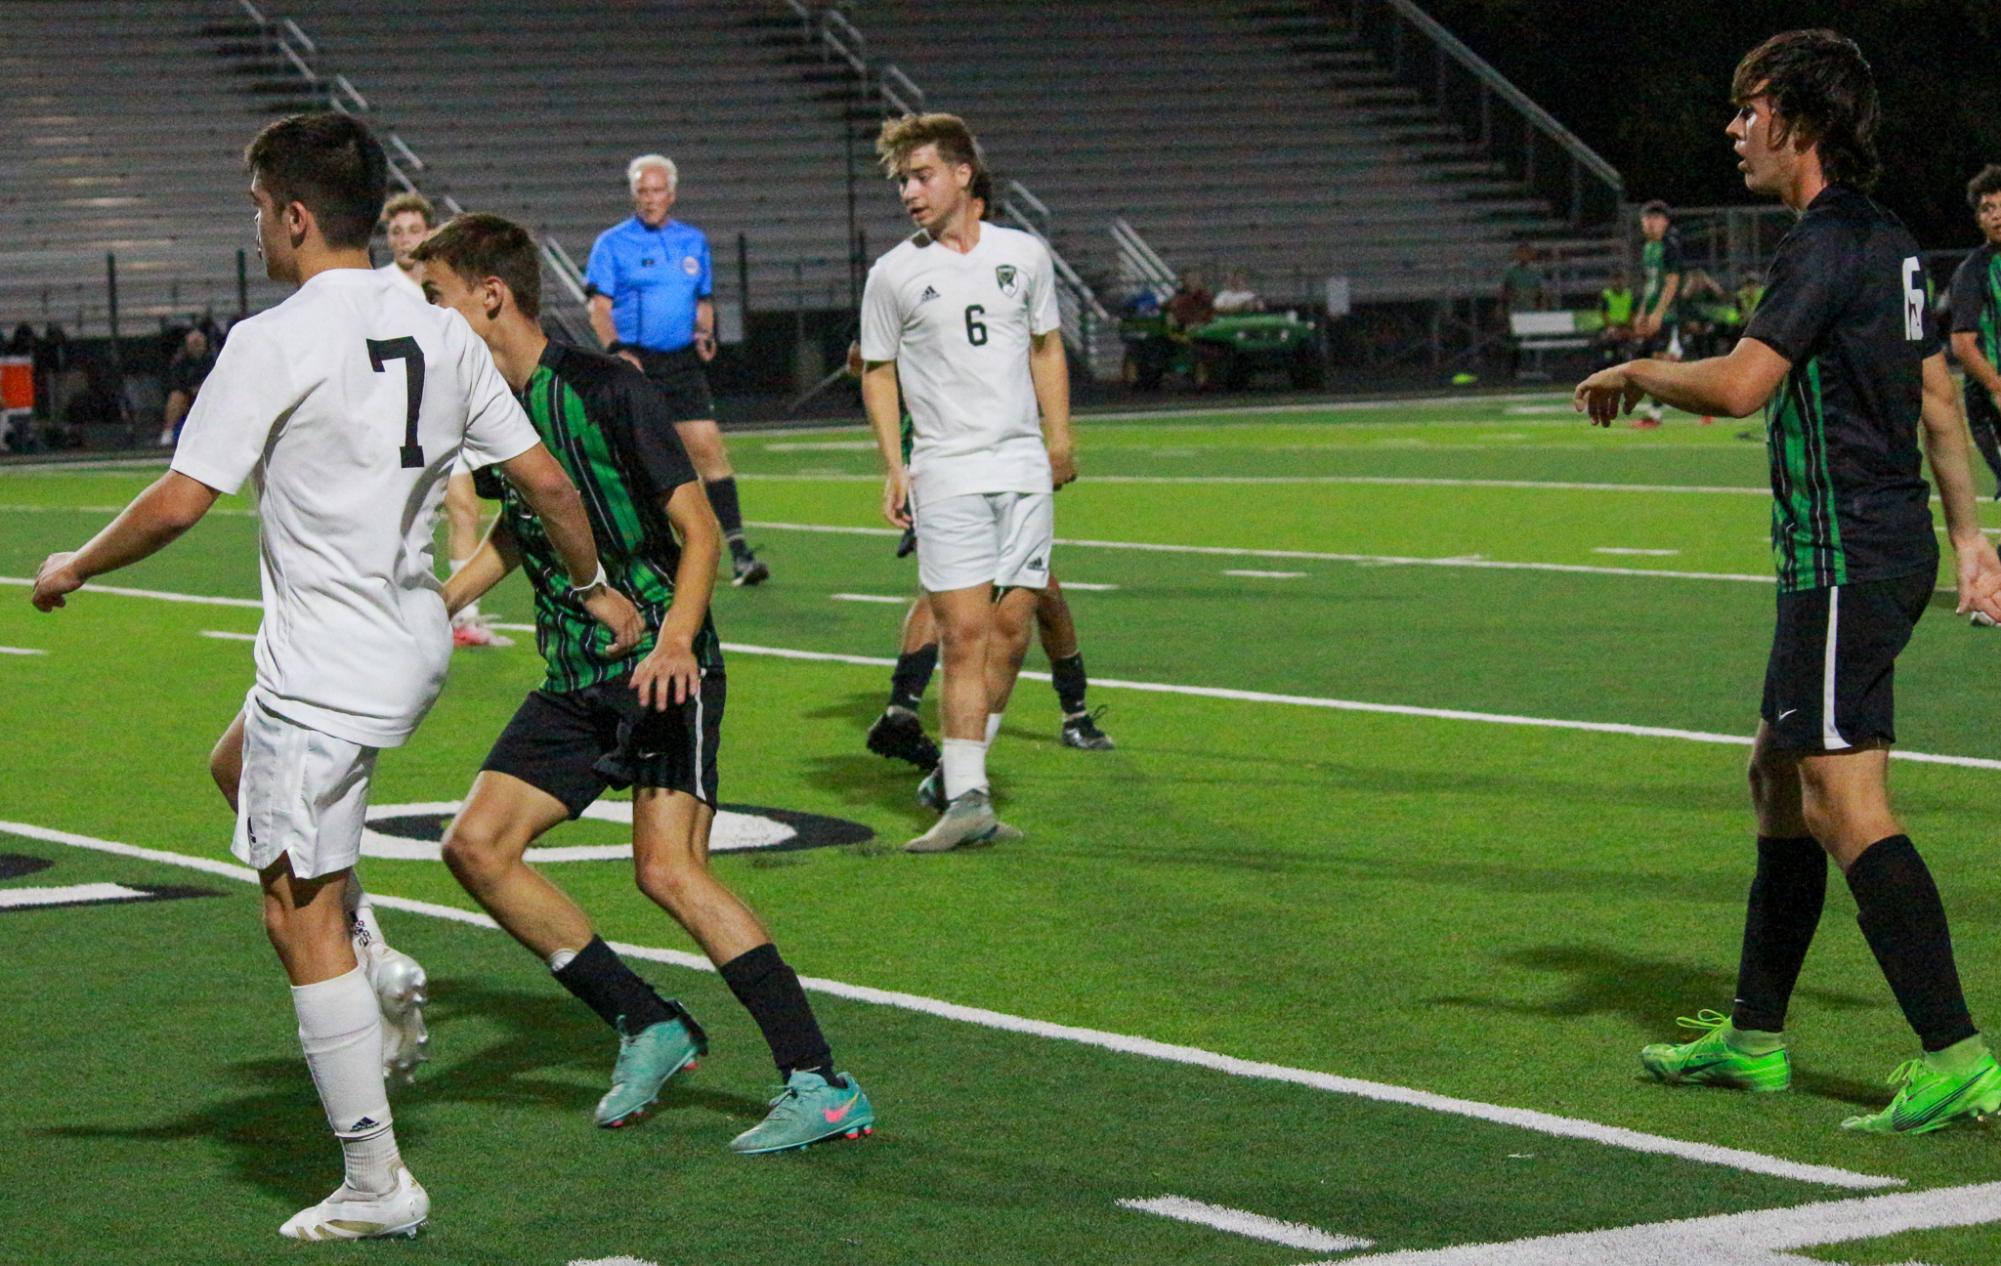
1049	370
1947	443
1966	349
883	402
1735	386
154	520
670	674
540	480
490	564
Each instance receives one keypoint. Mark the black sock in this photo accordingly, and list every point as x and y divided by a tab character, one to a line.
912	676
729	513
1901	915
1066	675
607	986
770	991
1779	921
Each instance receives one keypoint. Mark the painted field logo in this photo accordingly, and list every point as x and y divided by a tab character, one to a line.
410	832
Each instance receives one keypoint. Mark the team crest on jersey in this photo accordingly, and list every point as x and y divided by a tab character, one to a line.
1009	278
691	266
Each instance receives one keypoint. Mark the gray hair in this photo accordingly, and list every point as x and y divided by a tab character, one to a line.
647	162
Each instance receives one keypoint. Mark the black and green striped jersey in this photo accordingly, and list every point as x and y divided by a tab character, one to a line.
611	430
1976	300
1659	261
1847	305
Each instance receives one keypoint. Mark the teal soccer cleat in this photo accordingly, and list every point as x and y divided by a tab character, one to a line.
808	1110
646	1061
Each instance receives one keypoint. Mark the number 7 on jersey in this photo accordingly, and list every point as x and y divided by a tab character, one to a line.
380	353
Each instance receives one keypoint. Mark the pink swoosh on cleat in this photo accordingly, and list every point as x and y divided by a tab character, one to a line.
836	1115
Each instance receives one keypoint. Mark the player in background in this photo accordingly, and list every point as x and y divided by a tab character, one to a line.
347	404
1976	320
1660	287
649	717
961	320
898	733
407	219
649	280
1845	357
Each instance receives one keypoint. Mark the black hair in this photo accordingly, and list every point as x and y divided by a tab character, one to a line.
330	162
1985	182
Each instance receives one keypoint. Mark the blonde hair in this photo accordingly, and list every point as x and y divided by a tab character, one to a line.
902	136
410	202
648	162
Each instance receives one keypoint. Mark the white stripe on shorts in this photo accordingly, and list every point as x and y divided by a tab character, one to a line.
1830	737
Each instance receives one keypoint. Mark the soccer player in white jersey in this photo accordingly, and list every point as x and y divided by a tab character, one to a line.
407	219
347	404
961	318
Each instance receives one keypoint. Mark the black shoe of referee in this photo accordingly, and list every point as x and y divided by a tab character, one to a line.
747	570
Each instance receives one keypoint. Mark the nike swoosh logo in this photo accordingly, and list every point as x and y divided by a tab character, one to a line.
1904	1122
837	1115
1788	712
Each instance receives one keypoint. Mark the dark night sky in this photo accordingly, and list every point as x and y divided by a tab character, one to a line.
1647	85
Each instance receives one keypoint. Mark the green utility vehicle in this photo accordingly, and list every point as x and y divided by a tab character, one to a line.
1226	352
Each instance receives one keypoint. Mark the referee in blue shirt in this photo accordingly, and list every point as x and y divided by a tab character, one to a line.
649	287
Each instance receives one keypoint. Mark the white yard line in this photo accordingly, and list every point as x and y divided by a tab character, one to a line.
1205	692
1252	1225
1083	587
1763	1237
1264	575
224	635
20	650
1385	481
1147	1048
1643	553
70	895
894	599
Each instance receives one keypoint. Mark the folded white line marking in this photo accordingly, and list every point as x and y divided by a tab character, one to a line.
1381	1092
1254	1225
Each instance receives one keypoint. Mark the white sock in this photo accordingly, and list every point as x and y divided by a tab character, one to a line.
470	611
360	911
965	766
340	1029
560	959
993	726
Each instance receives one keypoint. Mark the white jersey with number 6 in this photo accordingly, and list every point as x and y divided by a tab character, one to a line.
958	327
349	403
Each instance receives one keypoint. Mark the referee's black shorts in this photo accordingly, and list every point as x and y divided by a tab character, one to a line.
681	378
1829	682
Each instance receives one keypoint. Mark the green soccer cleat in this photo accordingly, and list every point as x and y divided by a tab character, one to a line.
646	1061
808	1110
1710	1060
1928	1099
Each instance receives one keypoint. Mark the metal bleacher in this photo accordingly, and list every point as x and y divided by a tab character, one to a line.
121	131
1259	135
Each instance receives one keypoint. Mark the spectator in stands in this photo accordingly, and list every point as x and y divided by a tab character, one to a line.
185	375
1523	286
649	285
1192	304
1237	295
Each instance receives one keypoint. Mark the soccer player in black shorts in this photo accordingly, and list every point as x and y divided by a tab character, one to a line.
1976	319
1845	357
649	719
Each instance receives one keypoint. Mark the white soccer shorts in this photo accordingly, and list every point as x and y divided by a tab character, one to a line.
998	538
303	793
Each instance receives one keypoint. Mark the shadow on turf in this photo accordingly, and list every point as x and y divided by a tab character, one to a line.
277	1134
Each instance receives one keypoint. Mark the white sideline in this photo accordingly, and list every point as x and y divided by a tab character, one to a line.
20	650
1386	481
1201	692
1381	1092
1763	1237
1253	1225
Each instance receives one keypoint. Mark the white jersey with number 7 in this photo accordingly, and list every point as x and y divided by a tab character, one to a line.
349	404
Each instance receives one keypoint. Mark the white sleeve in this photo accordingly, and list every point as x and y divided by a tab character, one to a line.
882	324
496	427
1043	313
247	394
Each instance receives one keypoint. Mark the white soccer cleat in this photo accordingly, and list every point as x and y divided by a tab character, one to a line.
349	1215
401	990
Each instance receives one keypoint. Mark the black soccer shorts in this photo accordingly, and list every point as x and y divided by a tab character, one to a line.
575	745
682	379
1829	681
